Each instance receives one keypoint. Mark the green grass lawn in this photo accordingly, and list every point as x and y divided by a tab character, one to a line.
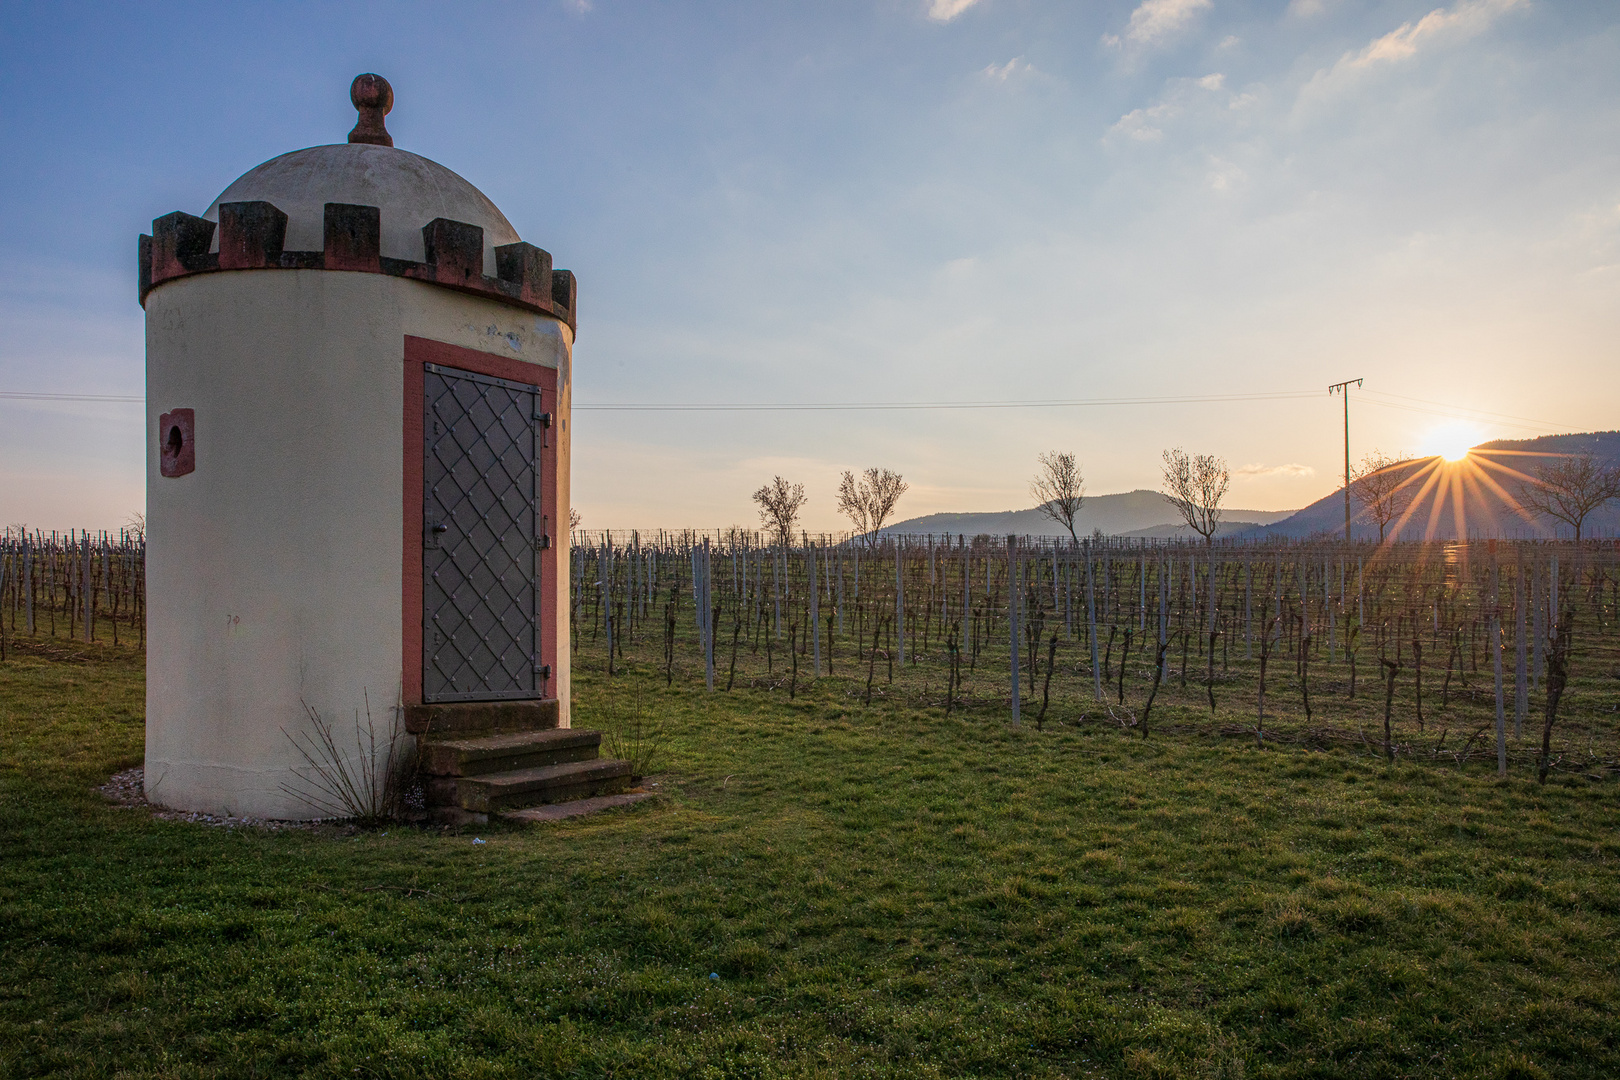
826	890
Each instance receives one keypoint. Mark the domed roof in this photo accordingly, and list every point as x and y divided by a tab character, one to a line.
382	201
409	191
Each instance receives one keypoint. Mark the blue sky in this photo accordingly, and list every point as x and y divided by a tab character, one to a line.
881	201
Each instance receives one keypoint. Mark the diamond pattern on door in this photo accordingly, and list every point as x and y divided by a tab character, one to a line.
480	558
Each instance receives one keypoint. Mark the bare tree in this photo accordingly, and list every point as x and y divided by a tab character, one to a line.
1059	489
869	501
1380	486
1569	488
573	521
1195	486
779	506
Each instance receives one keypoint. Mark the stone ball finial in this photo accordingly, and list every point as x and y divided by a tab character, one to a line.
374	99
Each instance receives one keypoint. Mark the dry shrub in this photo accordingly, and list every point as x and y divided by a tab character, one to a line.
367	786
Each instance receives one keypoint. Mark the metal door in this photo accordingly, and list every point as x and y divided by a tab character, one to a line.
481	538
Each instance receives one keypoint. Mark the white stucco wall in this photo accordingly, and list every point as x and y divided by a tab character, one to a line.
274	569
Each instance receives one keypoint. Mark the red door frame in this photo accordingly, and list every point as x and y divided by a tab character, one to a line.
421	351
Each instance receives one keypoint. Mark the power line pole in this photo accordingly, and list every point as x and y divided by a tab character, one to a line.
1344	388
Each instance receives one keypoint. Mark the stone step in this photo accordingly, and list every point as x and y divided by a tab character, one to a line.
546	784
504	753
481	717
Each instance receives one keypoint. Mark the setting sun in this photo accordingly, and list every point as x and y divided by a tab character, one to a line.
1451	441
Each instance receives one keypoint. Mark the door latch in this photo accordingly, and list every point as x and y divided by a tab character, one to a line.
430	537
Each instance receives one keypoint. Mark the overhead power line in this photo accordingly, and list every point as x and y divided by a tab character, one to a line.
1437	408
864	406
805	406
1371	397
1459	410
23	395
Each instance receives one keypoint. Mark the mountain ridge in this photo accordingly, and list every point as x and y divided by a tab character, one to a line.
1475	498
1127	513
1464	499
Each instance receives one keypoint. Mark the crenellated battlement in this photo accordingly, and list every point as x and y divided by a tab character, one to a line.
252	236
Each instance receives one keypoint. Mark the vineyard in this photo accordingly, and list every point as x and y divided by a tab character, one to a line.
75	585
1502	651
1505	652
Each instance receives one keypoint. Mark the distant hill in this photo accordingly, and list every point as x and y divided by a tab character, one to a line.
1481	491
1600	444
1131	513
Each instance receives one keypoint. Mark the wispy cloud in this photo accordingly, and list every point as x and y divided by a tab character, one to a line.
1463	19
1002	72
579	7
1154	20
1224	175
1142	125
959	271
1146	124
1293	468
946	10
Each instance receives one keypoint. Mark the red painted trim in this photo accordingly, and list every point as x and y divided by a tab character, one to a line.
420	351
411	576
180	457
178	247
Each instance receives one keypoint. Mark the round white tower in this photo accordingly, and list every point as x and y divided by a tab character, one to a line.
357	482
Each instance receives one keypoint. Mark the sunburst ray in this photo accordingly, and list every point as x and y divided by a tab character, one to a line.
1485	478
1430	470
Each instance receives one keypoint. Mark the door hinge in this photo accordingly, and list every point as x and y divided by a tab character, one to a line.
545	542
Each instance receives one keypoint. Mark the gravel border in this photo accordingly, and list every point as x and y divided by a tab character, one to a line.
128	789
